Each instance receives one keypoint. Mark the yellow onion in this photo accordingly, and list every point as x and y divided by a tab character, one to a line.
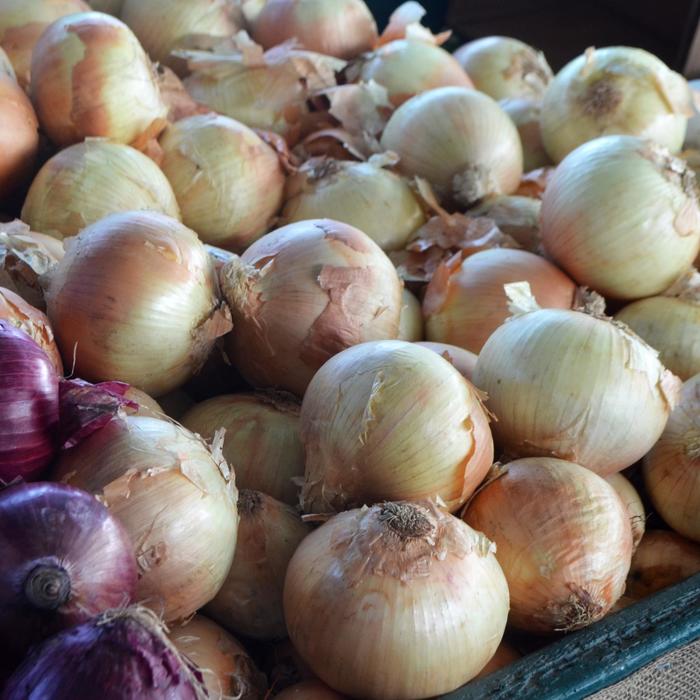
391	420
90	77
563	539
341	28
227	669
633	503
503	67
410	598
411	320
365	195
250	600
459	140
505	656
620	215
462	360
176	499
147	406
135	298
228	182
525	113
672	468
6	68
615	90
518	217
303	293
309	690
663	559
83	183
262	439
464	302
573	385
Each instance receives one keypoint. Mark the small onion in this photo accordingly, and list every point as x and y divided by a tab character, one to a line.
462	360
621	215
464	302
672	468
633	503
525	113
64	558
573	385
615	90
459	140
176	499
518	217
391	420
135	298
563	539
250	600
410	598
505	656
90	77
309	690
411	320
228	182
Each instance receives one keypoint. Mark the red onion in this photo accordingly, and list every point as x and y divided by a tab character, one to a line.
64	559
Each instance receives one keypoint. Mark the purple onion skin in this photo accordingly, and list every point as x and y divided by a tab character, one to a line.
63	559
28	406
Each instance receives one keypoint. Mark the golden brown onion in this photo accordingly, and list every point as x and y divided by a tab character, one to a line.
309	690
633	503
462	360
525	113
516	216
411	321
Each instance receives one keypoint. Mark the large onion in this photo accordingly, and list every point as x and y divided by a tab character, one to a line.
135	298
633	503
177	500
391	420
526	115
303	293
563	539
83	183
410	598
458	139
518	217
621	215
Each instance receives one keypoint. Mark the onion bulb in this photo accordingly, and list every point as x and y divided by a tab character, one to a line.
365	195
505	656
228	182
250	600
464	302
303	293
573	385
135	298
90	77
392	420
309	690
563	539
526	115
518	217
459	140
407	595
177	500
462	360
262	439
633	503
411	320
615	90
620	215
672	468
85	182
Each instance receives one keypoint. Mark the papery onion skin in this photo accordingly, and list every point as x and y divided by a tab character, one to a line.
309	690
405	425
563	539
138	295
526	113
87	181
65	558
621	216
505	656
633	503
462	360
411	321
516	216
183	550
380	586
90	77
672	467
147	406
228	181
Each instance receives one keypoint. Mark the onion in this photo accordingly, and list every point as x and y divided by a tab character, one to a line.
411	320
633	504
459	140
90	77
364	195
505	656
228	182
147	406
227	669
342	28
525	113
250	600
615	90
410	598
573	385
119	654
518	217
309	690
136	292
672	468
465	303
391	420
503	67
462	360
303	293
262	439
176	499
621	215
563	539
65	558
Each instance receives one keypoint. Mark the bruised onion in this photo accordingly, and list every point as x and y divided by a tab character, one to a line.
411	321
309	690
462	360
633	503
518	217
526	115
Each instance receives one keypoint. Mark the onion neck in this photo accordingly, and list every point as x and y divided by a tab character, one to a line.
406	520
249	502
47	587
